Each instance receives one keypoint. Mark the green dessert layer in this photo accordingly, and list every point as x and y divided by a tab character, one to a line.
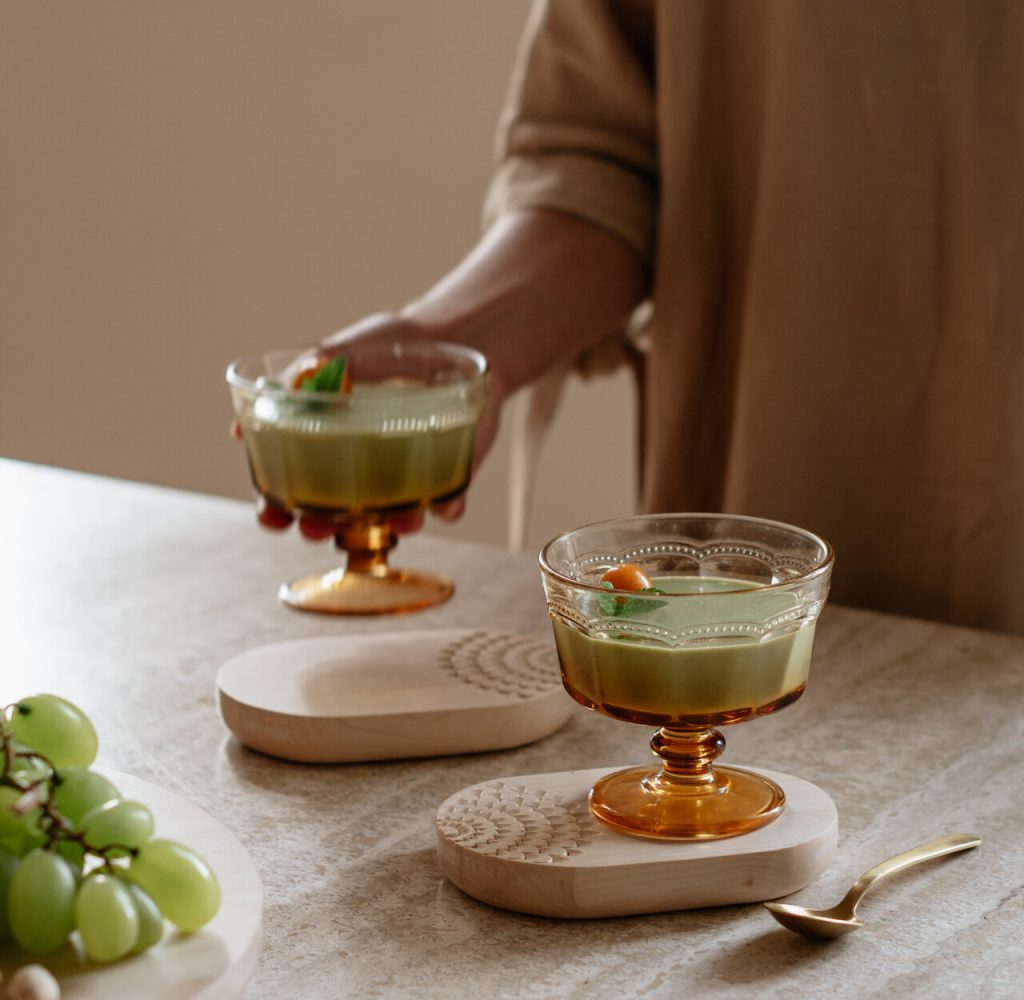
370	454
626	676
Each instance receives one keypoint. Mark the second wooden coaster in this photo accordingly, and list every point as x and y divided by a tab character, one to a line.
382	697
531	844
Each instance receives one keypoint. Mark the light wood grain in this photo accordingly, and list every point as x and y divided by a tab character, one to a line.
213	963
529	843
379	697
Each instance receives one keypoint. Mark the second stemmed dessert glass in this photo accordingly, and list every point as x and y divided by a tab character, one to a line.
723	637
398	442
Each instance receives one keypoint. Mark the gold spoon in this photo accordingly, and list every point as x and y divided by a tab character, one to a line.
842	917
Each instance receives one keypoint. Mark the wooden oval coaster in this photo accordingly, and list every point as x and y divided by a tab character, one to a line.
215	962
531	844
380	697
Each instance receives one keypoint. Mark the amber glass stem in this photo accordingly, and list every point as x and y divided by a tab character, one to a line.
687	755
367	544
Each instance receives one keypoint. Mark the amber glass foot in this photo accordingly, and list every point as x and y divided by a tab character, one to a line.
340	592
686	799
366	585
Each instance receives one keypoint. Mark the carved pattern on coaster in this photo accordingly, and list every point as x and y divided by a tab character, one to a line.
516	824
514	665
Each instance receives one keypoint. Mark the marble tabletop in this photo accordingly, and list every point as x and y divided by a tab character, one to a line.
127	598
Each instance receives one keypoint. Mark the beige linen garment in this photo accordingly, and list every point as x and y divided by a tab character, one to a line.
831	198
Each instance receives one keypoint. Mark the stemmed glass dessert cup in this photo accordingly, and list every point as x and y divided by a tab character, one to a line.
723	636
399	441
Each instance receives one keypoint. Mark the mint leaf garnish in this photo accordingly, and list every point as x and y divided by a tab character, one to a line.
328	378
626	607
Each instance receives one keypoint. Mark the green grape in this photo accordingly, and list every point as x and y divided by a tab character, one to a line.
8	864
79	790
56	728
41	902
106	917
180	882
151	920
18	834
119	822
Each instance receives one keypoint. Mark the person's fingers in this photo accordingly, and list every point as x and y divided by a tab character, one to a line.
271	516
486	432
235	430
378	328
406	524
316	529
490	417
450	511
381	328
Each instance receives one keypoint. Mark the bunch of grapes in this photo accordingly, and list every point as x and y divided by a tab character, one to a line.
74	855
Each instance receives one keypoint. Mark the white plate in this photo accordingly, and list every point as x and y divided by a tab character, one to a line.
213	963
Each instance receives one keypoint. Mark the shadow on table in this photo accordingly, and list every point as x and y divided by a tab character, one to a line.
261	770
430	914
775	954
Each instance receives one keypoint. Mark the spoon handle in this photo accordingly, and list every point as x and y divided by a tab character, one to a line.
923	852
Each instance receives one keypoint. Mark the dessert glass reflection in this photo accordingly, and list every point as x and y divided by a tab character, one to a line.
724	636
399	441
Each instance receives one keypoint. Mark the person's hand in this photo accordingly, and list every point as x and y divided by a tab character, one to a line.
539	287
318	529
389	327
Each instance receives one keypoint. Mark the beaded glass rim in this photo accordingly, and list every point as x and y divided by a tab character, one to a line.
234	377
817	569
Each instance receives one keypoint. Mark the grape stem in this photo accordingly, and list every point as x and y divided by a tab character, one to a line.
37	795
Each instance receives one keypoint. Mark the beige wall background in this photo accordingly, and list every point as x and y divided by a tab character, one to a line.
186	181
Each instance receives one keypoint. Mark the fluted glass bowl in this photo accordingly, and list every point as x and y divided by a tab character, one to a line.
398	442
726	638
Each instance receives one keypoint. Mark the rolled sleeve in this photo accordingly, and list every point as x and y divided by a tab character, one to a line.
577	133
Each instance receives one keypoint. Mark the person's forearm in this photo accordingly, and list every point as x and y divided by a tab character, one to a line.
539	287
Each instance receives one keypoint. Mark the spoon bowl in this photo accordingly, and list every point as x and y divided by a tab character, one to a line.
831	923
842	918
